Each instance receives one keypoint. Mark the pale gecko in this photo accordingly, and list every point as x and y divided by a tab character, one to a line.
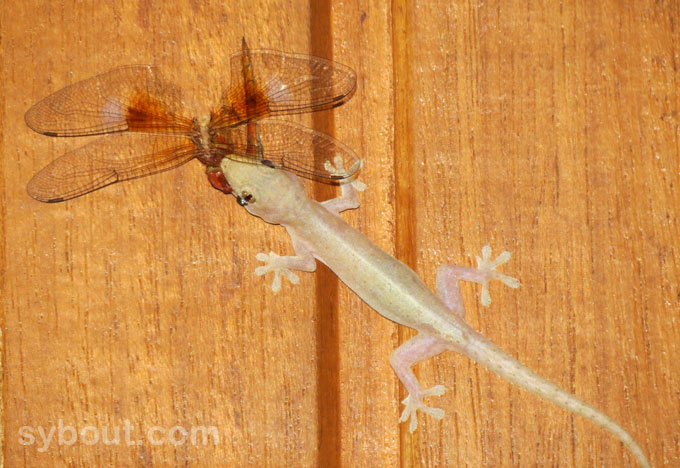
392	289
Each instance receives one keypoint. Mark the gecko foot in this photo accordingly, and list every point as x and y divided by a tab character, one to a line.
414	403
279	265
488	267
337	168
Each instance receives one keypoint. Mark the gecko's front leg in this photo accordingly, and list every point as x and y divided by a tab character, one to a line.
423	346
304	260
348	200
282	266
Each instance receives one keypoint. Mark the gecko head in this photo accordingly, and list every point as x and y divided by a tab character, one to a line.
271	194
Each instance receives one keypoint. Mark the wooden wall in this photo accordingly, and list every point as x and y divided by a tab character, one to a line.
547	129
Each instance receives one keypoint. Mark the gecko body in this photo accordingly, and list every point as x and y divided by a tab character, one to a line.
393	289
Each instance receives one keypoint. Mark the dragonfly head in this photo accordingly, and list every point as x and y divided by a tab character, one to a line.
271	194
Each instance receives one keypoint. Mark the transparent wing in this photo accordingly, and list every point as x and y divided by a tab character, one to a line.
268	83
133	98
296	148
109	160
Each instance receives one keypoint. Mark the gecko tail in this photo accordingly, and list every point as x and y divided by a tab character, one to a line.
495	359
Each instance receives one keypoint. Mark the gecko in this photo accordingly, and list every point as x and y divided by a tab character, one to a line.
391	288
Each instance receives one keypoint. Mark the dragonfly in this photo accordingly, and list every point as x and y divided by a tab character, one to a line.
139	114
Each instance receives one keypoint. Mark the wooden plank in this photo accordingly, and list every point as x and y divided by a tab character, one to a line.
369	391
547	130
134	304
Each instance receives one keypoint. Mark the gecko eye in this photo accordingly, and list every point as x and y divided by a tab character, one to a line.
245	198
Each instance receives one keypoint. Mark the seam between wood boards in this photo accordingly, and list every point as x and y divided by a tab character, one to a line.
327	287
404	197
3	258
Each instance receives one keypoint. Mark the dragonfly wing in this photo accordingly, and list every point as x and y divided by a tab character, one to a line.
295	148
133	98
268	83
109	160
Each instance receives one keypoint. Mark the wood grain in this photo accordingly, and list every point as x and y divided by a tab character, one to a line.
547	129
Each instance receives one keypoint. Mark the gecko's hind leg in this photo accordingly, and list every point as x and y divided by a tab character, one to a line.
348	199
411	352
422	346
282	266
448	277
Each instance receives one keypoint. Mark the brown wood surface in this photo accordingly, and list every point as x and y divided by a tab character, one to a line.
550	130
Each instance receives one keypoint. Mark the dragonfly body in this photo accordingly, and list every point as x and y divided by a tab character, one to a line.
392	289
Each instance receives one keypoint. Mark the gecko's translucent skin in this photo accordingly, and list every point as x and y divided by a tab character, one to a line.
392	289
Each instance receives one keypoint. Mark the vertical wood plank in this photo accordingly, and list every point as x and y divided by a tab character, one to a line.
133	305
369	392
534	134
